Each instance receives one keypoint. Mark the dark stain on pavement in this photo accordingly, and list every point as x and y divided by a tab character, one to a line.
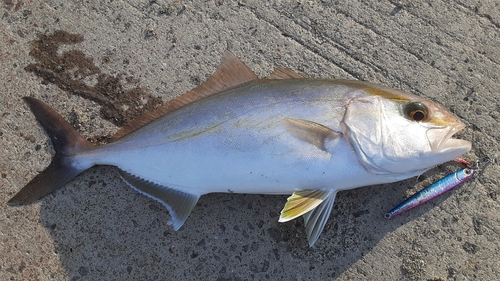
72	70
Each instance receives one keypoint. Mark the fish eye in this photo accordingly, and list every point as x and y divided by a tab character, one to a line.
416	111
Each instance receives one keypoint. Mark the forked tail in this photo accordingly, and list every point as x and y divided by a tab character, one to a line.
66	142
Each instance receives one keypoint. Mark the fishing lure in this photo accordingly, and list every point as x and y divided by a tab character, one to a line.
432	191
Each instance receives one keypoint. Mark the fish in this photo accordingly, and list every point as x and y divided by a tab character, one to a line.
432	191
281	135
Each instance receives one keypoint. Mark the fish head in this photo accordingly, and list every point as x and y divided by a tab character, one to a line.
397	133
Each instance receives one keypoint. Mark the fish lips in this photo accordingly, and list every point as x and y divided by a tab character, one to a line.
441	141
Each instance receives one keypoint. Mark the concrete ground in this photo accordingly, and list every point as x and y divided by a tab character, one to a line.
100	63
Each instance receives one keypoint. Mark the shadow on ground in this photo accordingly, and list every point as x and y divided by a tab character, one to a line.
106	230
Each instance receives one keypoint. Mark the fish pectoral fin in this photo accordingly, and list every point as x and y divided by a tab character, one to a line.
179	204
301	202
310	131
315	220
285	73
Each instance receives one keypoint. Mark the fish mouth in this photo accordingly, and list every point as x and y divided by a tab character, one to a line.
441	139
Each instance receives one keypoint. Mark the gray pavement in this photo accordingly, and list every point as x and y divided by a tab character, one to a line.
100	63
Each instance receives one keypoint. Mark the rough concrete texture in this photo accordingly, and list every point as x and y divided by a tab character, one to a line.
99	63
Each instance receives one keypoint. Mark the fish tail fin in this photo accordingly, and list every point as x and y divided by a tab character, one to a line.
67	144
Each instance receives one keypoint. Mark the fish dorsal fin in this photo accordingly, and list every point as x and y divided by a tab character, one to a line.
316	219
231	73
310	131
285	73
179	204
301	202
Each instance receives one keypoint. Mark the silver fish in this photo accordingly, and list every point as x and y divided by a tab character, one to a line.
286	134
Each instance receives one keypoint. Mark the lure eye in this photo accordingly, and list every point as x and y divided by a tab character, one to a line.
416	111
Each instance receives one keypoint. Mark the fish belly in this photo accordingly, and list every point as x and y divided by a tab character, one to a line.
228	162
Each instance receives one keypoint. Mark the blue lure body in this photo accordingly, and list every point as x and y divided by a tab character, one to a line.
432	191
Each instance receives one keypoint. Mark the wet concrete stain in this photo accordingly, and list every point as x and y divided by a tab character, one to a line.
72	68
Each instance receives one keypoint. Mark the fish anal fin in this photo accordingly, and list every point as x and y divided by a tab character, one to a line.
315	220
179	204
232	72
301	202
310	131
285	73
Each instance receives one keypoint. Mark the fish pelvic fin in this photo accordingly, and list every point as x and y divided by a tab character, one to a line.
314	205
315	220
179	204
67	143
301	202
